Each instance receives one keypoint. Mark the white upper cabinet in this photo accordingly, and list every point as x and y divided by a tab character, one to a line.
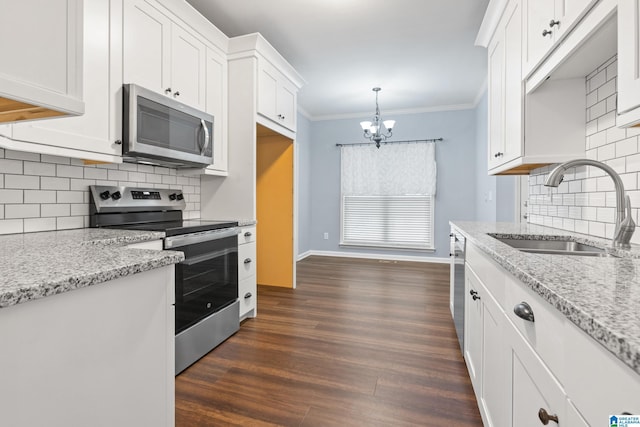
545	23
216	105
628	63
276	96
161	55
96	134
41	67
505	88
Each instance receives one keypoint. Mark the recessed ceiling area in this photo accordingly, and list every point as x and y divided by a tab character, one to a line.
420	52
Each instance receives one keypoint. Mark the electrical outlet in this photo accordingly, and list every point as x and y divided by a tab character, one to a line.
326	236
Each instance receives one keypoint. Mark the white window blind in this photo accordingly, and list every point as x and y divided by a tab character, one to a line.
388	195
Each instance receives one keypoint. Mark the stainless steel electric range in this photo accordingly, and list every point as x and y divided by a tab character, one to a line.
207	305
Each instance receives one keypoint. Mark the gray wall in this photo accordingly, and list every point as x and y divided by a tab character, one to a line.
303	150
456	158
485	184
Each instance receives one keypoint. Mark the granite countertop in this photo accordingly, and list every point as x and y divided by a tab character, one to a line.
37	265
601	295
246	222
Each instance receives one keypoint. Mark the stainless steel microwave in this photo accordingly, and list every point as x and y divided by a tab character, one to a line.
159	130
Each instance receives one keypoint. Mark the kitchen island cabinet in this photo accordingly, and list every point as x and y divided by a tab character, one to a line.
583	316
87	327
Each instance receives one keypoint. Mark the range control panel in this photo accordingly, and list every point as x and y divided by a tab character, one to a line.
131	199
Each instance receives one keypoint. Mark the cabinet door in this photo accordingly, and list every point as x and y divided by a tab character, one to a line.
533	387
41	45
188	58
286	104
216	105
496	97
513	86
567	12
146	41
473	332
267	90
484	349
95	131
628	55
537	16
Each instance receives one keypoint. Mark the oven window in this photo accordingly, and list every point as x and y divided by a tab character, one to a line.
206	281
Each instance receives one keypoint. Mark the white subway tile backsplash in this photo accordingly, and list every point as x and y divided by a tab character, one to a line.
95	173
10	226
21	181
21	155
118	175
589	201
44	192
39	196
41	169
68	222
70	197
45	158
59	209
21	211
11	166
11	196
607	121
39	224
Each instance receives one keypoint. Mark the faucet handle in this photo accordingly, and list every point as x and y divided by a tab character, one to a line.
626	228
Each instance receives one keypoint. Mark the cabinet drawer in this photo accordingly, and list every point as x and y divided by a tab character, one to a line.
248	295
246	260
490	274
544	333
598	383
247	235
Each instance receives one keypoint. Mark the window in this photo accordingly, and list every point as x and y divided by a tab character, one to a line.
388	195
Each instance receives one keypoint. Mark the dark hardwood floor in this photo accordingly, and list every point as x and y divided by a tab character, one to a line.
358	343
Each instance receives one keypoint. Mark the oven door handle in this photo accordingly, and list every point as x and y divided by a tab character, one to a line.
206	257
206	236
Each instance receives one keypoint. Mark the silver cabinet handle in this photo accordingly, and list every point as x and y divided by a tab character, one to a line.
247	260
247	295
247	234
545	417
553	23
546	32
167	90
207	138
524	311
176	94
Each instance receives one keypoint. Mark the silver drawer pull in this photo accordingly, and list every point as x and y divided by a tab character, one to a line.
247	295
524	311
247	234
247	260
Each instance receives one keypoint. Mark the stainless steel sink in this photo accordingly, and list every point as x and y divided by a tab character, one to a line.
559	247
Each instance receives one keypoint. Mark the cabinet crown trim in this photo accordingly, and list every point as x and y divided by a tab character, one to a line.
490	22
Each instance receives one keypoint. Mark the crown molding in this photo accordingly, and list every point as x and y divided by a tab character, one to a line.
387	113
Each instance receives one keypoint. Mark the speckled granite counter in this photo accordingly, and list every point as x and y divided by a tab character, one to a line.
246	222
36	265
600	295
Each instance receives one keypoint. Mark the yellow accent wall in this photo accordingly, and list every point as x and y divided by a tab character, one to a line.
274	209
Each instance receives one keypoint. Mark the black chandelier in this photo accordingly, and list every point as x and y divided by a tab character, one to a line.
377	130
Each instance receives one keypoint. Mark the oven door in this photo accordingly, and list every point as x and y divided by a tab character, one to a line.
207	280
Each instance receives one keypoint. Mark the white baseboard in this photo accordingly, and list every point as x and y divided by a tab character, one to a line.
375	256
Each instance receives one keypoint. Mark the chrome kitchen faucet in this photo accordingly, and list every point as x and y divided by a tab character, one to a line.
624	223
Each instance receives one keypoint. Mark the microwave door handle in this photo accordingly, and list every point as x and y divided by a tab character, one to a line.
207	139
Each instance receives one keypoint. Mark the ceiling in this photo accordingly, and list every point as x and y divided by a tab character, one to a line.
420	52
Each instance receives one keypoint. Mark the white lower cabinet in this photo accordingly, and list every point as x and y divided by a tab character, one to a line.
484	351
247	284
102	355
528	370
